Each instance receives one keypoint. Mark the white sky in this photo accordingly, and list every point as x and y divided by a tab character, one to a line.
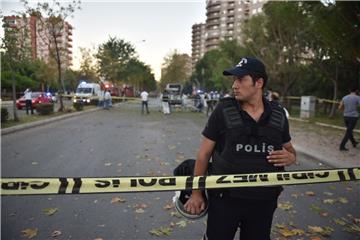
164	25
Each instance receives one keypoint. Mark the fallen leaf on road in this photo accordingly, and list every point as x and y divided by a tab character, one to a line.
318	210
286	232
176	214
55	233
295	195
329	201
161	231
181	224
168	206
285	206
343	200
315	238
141	205
139	210
328	193
310	193
49	211
340	221
29	232
118	200
324	231
353	228
171	147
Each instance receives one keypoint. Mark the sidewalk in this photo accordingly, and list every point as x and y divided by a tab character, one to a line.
322	143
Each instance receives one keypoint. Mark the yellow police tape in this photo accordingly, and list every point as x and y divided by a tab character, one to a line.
77	185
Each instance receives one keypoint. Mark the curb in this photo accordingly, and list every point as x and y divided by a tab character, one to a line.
20	127
322	124
335	163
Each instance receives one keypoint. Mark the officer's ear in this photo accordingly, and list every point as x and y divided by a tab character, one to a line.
259	83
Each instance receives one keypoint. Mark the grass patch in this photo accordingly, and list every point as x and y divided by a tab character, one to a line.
337	120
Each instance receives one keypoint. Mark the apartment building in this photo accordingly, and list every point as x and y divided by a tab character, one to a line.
197	43
31	34
223	22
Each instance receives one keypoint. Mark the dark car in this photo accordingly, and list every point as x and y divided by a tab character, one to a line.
37	97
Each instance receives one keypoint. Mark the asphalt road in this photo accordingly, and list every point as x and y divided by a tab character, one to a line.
122	142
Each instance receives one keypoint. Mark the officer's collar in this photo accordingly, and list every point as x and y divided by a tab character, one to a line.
267	109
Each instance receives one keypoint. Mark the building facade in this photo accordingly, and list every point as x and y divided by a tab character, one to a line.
31	33
223	22
197	43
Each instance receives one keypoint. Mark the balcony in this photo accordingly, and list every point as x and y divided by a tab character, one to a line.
213	4
213	17
212	10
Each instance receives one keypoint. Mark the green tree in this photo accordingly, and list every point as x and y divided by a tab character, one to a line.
208	73
17	53
87	66
278	38
334	40
139	75
175	69
51	19
112	57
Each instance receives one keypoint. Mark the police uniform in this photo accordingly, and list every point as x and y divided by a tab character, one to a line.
242	145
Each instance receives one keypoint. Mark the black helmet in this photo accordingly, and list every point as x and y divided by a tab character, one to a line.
186	168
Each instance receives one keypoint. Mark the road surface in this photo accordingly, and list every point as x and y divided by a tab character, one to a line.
122	142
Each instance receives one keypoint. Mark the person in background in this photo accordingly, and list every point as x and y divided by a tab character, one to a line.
144	101
165	103
349	104
107	99
244	134
275	97
101	94
28	101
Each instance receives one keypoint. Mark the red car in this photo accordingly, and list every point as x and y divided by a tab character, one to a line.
37	97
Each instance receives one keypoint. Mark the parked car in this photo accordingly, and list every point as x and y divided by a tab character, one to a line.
37	97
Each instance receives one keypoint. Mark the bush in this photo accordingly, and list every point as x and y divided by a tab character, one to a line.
4	114
79	106
45	108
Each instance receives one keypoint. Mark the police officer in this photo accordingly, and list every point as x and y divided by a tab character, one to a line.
244	134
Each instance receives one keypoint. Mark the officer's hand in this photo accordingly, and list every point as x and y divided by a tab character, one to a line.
196	203
281	158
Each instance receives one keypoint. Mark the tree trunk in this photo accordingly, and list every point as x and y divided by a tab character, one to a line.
16	118
335	81
60	79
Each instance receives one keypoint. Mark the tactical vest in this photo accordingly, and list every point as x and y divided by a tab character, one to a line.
246	148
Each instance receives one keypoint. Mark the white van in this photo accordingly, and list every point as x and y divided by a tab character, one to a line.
87	92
